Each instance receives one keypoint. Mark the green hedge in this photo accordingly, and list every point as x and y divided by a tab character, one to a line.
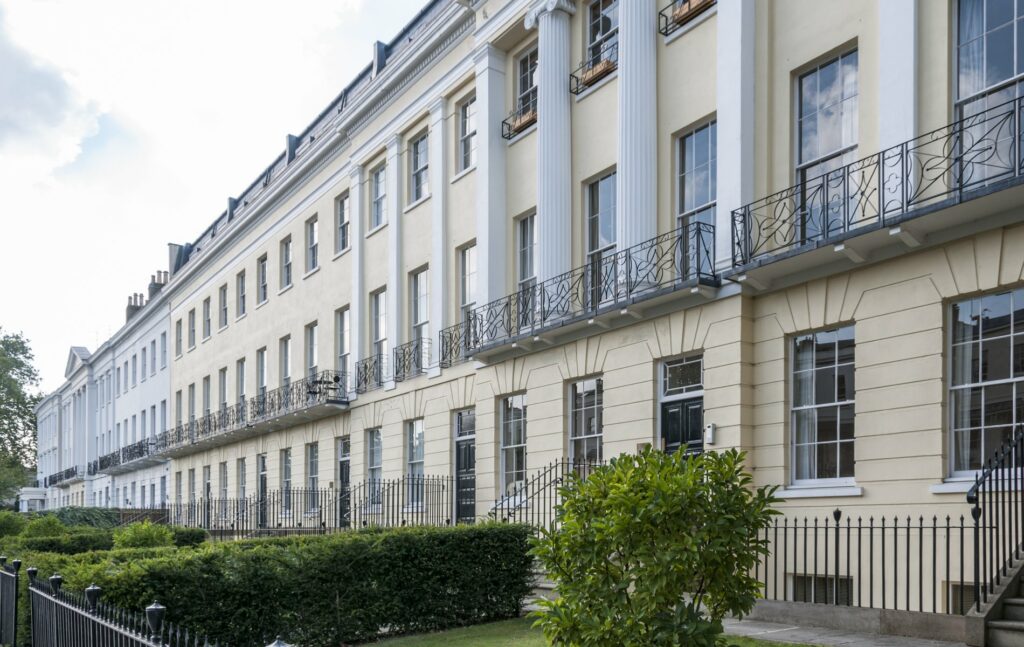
188	537
321	591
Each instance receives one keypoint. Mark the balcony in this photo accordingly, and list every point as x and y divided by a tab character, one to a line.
598	65
878	205
521	118
681	12
370	373
66	477
411	359
135	456
312	398
651	272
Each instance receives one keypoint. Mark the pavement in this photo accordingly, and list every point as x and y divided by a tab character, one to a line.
817	636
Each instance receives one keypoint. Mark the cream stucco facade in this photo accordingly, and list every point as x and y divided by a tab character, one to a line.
405	266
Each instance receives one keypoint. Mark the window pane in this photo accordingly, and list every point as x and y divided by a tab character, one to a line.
998	12
804	427
846	422
824	385
995	315
828	424
995	359
970	19
965	323
999	404
844	382
804	355
965	364
999	55
825	348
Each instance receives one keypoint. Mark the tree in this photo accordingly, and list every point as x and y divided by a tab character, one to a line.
654	550
18	376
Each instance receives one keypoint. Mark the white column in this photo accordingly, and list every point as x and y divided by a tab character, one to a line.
438	204
637	208
491	225
735	89
554	137
396	276
356	307
897	71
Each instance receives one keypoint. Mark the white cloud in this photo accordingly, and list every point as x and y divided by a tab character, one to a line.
125	125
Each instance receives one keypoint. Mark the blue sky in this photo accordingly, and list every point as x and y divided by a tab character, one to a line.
126	124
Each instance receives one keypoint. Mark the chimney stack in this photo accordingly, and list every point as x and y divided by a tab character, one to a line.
134	306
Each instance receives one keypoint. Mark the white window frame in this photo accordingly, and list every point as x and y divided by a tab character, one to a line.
240	294
207	318
285	356
596	410
794	411
419	168
378	197
379	323
705	211
343	339
467	133
509	449
262	291
222	306
312	244
342	220
311	350
286	262
526	95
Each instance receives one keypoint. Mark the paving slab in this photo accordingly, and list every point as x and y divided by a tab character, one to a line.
818	636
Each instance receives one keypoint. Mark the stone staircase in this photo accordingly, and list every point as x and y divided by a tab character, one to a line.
1007	629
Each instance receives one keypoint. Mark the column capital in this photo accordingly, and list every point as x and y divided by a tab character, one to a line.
394	145
487	56
355	172
437	109
541	7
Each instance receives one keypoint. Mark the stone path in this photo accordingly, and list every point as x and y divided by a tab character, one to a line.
830	637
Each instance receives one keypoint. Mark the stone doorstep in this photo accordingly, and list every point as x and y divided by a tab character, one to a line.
828	637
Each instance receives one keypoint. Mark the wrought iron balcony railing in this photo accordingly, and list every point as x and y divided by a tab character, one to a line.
599	64
370	373
326	387
681	258
411	359
973	153
93	468
126	454
680	12
64	476
524	116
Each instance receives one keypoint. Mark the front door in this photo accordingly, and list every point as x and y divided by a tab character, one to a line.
261	490
465	480
682	426
344	483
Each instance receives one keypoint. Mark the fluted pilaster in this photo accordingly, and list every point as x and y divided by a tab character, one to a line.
554	137
637	208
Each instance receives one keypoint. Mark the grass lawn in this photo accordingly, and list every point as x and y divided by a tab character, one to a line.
512	633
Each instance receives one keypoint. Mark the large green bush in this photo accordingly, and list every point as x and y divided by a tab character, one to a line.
11	523
188	537
654	550
93	517
143	535
72	543
324	590
46	525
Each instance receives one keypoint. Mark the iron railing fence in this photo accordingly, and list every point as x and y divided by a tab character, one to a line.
901	563
997	507
370	373
972	153
411	500
325	387
92	468
62	618
682	257
9	601
680	12
524	116
598	64
534	500
411	359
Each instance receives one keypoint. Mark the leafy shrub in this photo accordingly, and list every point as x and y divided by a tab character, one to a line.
143	535
11	523
92	517
188	537
324	590
46	525
638	534
72	543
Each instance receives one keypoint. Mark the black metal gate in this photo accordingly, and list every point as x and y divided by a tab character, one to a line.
9	601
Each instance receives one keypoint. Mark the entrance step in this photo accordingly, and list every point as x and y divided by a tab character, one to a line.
1005	633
